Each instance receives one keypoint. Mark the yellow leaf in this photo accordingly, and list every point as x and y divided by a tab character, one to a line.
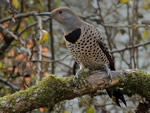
90	110
16	3
44	36
124	1
146	34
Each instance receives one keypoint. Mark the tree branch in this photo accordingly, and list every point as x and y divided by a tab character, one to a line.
13	87
8	38
130	47
6	31
53	89
21	15
146	22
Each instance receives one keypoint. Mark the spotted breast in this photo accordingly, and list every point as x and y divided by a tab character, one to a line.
84	45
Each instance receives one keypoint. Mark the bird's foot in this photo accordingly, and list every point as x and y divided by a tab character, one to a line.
108	71
76	76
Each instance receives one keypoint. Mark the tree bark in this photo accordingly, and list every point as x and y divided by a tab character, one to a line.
53	89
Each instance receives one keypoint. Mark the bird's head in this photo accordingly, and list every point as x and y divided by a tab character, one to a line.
64	16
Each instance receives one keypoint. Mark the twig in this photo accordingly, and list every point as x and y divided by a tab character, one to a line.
12	10
21	11
50	61
130	47
21	15
52	38
29	26
9	32
102	20
146	22
134	15
5	31
123	59
56	61
13	87
124	26
110	10
129	32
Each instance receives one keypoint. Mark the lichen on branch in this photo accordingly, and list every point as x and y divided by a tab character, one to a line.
52	89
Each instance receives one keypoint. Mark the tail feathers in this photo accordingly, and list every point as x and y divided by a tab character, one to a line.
115	95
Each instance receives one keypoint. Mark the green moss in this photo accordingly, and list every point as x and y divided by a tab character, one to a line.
56	88
47	92
53	89
137	82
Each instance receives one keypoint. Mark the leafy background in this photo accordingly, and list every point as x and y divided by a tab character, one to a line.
26	60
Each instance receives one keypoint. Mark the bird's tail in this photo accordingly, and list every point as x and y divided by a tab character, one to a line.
116	95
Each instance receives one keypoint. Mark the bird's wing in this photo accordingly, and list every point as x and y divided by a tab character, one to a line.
107	53
115	94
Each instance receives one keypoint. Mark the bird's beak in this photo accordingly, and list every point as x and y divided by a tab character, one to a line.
45	14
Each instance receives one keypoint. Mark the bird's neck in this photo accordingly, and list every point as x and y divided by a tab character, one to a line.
70	25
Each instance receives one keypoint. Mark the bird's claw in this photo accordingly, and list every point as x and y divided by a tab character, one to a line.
108	72
74	79
76	76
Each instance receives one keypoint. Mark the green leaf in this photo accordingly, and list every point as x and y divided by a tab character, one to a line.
90	110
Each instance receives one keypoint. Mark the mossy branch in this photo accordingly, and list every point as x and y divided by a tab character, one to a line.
53	89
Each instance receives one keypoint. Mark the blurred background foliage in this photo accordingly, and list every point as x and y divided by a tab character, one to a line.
22	63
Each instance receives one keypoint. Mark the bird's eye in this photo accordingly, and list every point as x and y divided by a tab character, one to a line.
60	12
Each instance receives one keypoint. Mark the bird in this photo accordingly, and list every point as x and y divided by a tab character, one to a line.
86	44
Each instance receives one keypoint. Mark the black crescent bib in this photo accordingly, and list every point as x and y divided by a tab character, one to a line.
73	36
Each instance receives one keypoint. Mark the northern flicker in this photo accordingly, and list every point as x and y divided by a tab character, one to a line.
85	43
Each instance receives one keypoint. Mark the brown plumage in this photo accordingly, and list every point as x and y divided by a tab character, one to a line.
86	44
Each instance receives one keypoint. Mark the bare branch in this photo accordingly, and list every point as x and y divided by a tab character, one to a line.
13	87
52	38
21	15
130	47
50	61
39	45
9	32
29	26
146	22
